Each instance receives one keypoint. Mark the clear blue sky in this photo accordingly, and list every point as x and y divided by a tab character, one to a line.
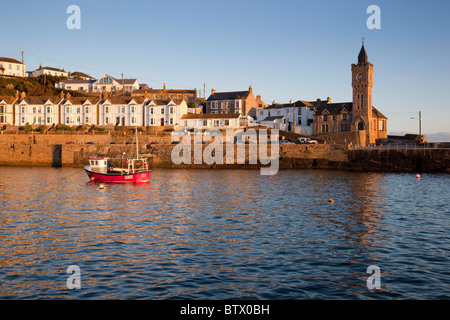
284	49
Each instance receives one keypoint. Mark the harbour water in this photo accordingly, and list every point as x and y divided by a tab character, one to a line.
224	234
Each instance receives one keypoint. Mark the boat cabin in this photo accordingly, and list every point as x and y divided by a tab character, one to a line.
98	164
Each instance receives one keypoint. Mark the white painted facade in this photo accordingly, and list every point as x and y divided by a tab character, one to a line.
50	71
78	113
6	110
30	111
164	113
12	67
282	117
107	83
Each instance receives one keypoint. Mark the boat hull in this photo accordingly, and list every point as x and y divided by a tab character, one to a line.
137	177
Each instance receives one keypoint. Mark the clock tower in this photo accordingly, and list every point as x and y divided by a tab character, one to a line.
362	84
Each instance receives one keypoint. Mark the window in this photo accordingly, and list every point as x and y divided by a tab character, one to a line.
325	117
171	110
123	109
87	120
227	122
151	121
170	96
152	110
105	80
34	109
334	118
49	120
68	110
171	121
24	109
67	120
381	125
49	109
344	116
133	120
179	96
156	96
106	110
162	110
78	110
325	128
205	122
23	120
133	109
107	120
78	119
87	110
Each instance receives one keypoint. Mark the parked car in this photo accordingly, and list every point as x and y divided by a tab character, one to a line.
70	142
112	142
128	143
284	142
89	143
306	141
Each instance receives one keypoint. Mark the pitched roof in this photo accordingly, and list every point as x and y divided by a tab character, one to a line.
122	100
81	74
77	81
271	118
8	99
53	69
299	103
81	100
40	100
333	108
4	59
161	102
377	113
120	81
211	116
234	95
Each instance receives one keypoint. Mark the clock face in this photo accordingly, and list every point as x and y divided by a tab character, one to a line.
360	76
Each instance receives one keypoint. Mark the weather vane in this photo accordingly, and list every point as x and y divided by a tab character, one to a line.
363	38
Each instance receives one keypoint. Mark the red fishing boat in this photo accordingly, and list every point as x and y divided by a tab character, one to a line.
101	169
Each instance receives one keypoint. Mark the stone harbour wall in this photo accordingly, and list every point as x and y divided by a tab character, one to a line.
53	150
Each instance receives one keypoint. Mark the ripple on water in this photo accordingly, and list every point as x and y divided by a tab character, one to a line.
225	234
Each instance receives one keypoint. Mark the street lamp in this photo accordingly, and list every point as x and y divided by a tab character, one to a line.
420	124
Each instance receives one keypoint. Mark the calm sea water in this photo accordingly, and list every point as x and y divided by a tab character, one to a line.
224	234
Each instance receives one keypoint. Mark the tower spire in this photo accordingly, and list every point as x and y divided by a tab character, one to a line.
362	57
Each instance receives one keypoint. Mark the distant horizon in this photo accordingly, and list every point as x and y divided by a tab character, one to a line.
286	50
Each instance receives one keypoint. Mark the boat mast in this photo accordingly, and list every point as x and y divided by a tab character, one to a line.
137	142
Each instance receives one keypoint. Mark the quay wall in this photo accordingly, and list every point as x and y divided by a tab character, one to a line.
52	150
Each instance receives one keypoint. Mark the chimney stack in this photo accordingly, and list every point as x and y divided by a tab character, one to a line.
16	94
213	91
164	87
61	95
68	96
329	100
146	95
22	95
250	89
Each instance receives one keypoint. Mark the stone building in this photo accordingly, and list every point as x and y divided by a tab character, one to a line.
242	102
358	121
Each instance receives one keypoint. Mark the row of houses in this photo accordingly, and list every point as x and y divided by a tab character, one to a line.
107	110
